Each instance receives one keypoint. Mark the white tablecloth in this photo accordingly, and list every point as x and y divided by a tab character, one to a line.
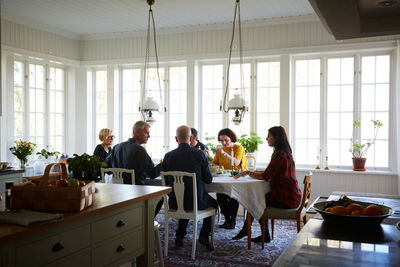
249	192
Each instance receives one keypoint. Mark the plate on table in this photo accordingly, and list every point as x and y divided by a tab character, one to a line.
354	220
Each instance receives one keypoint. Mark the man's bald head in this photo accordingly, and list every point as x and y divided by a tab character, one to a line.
183	134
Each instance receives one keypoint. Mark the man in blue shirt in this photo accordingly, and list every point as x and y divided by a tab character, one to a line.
189	159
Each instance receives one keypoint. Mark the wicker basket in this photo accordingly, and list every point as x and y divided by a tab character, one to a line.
51	198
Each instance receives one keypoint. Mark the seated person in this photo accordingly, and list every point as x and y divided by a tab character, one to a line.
104	149
223	157
188	159
285	192
194	141
131	155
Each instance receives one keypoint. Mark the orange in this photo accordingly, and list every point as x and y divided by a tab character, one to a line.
356	213
353	207
373	210
339	210
328	209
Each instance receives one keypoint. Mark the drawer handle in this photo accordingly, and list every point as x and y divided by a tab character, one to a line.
57	247
120	248
120	223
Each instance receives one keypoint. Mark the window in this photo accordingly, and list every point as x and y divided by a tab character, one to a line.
56	108
130	100
19	100
173	92
348	97
39	110
100	100
375	95
177	102
211	96
307	110
267	104
263	90
340	109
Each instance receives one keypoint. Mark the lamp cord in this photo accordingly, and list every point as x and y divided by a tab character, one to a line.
147	57
237	12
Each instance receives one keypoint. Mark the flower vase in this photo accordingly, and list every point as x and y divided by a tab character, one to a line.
22	163
359	164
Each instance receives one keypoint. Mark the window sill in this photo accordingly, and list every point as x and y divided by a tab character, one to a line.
262	167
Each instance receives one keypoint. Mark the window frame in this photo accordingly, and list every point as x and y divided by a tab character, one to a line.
324	56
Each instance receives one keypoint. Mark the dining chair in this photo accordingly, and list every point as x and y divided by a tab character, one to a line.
117	174
297	214
254	161
180	213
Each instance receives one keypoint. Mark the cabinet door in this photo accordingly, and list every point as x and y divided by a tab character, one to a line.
78	259
54	247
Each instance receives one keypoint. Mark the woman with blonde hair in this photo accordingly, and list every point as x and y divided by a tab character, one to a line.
104	149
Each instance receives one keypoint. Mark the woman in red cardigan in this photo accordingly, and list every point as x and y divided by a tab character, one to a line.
285	192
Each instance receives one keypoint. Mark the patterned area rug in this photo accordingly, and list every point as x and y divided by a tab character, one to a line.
227	252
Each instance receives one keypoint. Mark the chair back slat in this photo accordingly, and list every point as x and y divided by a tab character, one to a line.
254	162
306	191
179	189
118	174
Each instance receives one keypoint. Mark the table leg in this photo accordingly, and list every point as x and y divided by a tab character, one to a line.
249	221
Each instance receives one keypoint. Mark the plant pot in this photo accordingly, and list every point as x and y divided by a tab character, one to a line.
359	164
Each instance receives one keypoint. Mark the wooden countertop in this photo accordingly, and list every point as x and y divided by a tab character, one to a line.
109	197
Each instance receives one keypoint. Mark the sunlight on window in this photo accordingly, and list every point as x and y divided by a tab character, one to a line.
346	245
131	84
101	100
340	110
367	247
19	99
212	88
382	248
177	102
332	243
267	104
307	110
375	96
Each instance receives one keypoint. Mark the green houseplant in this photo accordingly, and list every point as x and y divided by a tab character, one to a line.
47	153
250	143
212	146
358	149
84	166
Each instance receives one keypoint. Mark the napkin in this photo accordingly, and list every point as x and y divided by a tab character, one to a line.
29	217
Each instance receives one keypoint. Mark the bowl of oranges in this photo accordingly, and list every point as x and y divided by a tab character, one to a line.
348	211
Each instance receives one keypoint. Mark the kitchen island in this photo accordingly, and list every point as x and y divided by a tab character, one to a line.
117	228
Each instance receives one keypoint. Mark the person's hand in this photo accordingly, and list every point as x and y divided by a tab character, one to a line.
240	174
206	152
219	150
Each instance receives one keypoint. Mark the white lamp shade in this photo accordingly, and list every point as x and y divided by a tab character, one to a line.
150	120
237	102
150	104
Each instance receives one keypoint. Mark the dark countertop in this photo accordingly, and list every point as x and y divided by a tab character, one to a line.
322	244
11	171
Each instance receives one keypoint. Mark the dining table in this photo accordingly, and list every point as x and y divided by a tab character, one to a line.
249	192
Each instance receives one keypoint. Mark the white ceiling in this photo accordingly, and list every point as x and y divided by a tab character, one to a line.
89	17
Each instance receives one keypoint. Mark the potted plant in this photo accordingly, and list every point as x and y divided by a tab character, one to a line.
358	150
46	154
83	167
250	145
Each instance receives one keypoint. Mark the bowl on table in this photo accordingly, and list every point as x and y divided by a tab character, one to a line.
353	220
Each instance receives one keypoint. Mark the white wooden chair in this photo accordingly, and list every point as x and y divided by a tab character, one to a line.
117	174
180	213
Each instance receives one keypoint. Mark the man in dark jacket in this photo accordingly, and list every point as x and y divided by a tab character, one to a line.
131	155
188	159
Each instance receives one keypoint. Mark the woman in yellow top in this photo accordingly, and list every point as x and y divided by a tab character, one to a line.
223	157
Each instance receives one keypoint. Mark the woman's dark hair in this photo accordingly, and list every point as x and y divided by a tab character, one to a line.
228	132
281	141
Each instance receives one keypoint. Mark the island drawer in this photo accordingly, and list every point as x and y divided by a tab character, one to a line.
81	258
57	246
117	224
127	245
